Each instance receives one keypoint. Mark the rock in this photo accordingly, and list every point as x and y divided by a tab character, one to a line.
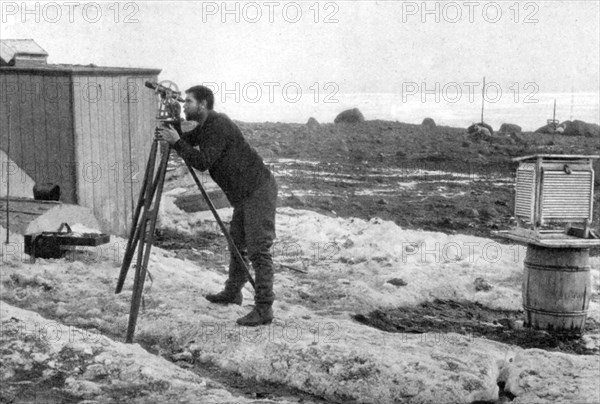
397	282
502	139
580	128
296	200
312	123
428	123
343	146
544	129
95	371
476	127
183	356
510	128
349	116
382	202
409	248
478	132
358	155
348	243
517	138
482	285
472	213
82	388
276	149
489	212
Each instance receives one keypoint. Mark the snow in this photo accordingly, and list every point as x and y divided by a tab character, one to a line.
314	347
106	369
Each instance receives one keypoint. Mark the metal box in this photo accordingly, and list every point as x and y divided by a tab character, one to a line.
554	191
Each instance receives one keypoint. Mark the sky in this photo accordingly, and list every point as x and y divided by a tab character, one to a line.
359	46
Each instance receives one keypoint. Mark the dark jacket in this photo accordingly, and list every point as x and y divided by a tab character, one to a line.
222	150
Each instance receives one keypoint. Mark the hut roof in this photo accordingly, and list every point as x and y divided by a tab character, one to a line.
9	48
90	70
26	56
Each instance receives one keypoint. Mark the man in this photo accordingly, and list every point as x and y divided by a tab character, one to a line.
250	188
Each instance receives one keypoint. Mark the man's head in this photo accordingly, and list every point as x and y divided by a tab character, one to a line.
198	101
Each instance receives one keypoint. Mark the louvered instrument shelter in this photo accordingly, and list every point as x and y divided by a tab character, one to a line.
553	190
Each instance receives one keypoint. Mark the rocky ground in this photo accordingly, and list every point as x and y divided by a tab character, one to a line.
438	179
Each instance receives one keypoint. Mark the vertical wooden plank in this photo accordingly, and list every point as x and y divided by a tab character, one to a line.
24	110
108	184
120	213
126	151
67	138
83	147
94	170
5	95
39	135
4	100
132	97
50	98
16	133
147	111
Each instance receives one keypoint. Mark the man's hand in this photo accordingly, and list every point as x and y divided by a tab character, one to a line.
166	133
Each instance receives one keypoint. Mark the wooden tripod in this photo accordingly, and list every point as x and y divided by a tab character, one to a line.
141	234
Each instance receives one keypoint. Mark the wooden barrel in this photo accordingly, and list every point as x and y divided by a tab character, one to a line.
556	288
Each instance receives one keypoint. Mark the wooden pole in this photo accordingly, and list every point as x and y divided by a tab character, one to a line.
482	99
554	115
8	177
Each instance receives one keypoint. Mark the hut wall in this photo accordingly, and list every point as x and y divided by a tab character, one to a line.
114	117
41	136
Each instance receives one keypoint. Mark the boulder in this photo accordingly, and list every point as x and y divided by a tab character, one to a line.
428	123
510	128
477	127
479	133
550	129
482	285
349	116
580	128
517	138
312	123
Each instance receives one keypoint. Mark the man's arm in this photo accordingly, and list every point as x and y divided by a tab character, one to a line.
211	144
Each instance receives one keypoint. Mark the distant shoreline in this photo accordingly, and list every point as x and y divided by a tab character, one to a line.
382	121
526	109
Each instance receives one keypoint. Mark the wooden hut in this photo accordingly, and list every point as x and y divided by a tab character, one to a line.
87	129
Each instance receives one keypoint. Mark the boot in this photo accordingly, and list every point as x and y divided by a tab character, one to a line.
260	315
226	297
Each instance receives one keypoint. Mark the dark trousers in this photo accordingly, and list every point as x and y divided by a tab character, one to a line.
253	231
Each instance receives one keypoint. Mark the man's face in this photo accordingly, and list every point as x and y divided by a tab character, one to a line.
194	110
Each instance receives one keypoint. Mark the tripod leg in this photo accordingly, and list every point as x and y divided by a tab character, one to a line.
134	233
147	238
138	287
222	226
